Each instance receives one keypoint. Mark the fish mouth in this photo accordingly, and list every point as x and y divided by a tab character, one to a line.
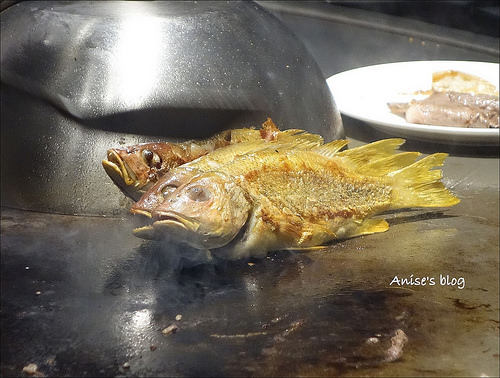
172	218
164	220
142	212
146	230
116	168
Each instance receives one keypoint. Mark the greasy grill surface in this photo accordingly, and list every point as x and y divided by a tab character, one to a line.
81	296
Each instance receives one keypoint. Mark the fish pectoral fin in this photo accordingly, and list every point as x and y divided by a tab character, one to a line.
367	227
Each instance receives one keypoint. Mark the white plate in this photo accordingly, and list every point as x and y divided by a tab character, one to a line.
363	93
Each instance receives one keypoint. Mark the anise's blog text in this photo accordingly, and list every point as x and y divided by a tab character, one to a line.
443	280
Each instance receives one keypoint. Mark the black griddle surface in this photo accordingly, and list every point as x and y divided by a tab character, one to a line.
82	297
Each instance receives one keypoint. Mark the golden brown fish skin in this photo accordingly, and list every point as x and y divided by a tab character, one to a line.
283	215
158	191
220	210
134	169
271	137
293	199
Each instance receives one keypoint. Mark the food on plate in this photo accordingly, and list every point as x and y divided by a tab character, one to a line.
291	138
134	169
288	198
456	99
451	109
456	81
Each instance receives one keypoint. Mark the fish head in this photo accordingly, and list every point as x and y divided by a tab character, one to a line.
205	213
134	169
160	190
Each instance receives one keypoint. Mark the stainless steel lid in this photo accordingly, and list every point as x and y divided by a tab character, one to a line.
80	77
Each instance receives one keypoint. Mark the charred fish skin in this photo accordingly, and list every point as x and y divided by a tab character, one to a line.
286	139
298	199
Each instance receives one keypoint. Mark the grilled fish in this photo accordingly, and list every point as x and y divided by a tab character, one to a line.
134	169
292	138
297	198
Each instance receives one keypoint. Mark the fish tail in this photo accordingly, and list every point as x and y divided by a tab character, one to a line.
419	185
415	183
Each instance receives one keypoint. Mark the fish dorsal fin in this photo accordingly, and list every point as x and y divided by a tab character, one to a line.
384	166
368	153
286	140
301	137
378	158
292	139
270	133
373	159
332	148
243	135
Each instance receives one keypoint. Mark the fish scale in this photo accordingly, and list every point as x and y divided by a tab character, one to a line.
287	181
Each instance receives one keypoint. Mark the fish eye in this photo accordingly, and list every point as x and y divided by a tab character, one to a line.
167	189
147	155
199	193
151	158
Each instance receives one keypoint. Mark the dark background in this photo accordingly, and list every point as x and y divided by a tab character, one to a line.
478	16
475	16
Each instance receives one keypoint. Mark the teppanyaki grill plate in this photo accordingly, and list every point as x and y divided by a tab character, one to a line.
82	296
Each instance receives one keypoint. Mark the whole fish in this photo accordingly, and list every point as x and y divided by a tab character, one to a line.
287	139
134	169
295	199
